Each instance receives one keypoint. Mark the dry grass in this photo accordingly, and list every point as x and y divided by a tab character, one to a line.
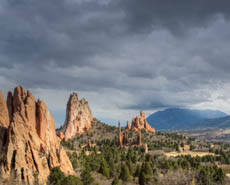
193	154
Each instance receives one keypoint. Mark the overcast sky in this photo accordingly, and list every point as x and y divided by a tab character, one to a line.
121	55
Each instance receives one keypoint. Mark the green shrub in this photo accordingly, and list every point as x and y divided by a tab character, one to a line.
56	176
71	180
116	181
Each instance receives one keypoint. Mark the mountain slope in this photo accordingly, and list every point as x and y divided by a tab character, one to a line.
223	122
176	118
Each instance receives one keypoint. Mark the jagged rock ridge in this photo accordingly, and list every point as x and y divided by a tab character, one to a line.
78	117
30	145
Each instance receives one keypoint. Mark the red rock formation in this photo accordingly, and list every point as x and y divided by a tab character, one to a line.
125	140
139	122
32	147
10	105
78	117
120	136
4	121
89	145
128	127
4	115
146	148
139	141
61	135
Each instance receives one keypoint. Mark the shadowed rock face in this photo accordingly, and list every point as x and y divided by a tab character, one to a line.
32	147
139	122
78	117
4	120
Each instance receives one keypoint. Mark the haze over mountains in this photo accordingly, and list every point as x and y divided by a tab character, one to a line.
177	118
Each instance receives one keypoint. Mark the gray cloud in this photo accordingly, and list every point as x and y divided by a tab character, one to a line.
123	55
177	15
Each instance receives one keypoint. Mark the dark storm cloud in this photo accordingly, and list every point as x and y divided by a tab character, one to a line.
149	106
129	54
63	32
176	15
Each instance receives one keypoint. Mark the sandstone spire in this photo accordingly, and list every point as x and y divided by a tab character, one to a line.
32	146
4	115
139	122
120	136
139	141
78	117
128	127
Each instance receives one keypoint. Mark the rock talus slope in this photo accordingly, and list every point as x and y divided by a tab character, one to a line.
31	148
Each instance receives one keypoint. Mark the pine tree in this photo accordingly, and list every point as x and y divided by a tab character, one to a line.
146	174
104	169
72	180
142	178
138	171
147	169
125	175
116	181
56	176
130	166
86	177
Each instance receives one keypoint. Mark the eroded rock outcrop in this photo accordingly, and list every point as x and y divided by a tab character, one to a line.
120	138
78	117
61	135
128	127
4	115
139	140
139	122
32	147
4	120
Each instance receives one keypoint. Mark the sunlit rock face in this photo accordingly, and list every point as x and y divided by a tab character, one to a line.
31	147
139	122
78	117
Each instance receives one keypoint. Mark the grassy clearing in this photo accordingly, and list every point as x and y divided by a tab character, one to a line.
193	154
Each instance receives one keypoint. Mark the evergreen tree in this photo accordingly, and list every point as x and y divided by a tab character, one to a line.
147	169
72	180
142	178
125	175
104	169
130	166
138	171
86	177
219	176
116	181
56	176
146	174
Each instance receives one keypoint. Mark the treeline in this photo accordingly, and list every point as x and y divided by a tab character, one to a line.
133	165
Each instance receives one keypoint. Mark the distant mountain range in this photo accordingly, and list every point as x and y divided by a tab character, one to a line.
177	119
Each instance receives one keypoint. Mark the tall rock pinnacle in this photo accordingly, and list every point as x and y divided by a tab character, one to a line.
78	117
